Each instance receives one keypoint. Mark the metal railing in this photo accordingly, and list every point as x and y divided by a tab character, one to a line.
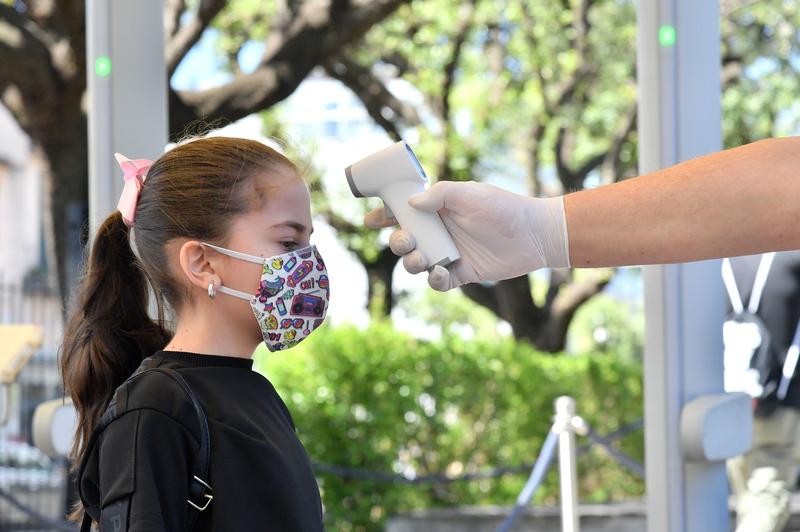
567	424
32	486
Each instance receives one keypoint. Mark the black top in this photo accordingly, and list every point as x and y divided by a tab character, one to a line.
779	308
260	473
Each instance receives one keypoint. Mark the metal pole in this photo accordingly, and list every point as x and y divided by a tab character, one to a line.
127	93
678	71
568	470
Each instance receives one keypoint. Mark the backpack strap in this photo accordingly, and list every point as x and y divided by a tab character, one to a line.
760	281
200	492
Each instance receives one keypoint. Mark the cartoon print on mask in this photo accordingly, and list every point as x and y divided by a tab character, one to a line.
268	289
297	323
271	322
308	305
281	307
325	284
292	295
300	273
291	263
320	262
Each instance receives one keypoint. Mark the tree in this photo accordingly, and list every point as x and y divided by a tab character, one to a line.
545	92
43	78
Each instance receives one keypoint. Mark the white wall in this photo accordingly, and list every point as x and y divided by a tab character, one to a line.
20	202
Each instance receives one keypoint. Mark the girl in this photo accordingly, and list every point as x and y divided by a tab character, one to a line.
218	228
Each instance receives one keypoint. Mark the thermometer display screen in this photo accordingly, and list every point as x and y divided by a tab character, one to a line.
416	164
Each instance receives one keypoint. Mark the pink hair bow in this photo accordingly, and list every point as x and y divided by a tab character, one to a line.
135	172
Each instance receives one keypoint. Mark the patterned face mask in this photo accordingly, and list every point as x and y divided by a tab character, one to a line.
292	296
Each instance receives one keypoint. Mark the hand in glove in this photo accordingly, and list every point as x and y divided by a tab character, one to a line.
499	234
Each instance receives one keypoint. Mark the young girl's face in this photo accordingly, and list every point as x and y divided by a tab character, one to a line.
281	223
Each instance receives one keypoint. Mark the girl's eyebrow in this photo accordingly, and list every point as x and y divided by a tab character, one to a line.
297	226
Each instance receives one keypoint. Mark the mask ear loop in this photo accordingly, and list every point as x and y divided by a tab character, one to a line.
236	254
249	258
212	290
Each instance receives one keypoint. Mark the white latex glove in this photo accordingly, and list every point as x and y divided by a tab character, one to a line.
499	234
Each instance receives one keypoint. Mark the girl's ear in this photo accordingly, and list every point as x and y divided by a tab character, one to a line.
199	264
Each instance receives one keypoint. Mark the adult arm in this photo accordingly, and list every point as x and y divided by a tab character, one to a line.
736	202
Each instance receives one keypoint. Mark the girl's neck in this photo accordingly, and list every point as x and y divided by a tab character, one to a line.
197	334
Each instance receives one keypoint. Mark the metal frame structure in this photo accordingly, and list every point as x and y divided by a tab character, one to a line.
680	118
127	82
678	65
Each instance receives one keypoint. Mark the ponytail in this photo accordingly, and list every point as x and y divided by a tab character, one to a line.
109	331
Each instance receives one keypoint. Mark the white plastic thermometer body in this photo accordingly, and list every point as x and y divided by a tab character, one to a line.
394	175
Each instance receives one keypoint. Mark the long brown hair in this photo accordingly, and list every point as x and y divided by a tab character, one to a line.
195	191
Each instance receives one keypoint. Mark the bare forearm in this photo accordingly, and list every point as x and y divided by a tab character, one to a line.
737	202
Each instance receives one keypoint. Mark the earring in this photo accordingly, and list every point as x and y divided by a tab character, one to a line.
212	292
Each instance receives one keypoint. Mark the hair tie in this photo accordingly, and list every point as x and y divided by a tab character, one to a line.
134	172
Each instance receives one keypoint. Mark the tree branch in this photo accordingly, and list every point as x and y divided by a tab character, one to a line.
173	10
578	293
484	296
609	171
563	310
27	75
558	278
563	93
187	35
320	31
572	179
732	70
462	32
460	37
384	107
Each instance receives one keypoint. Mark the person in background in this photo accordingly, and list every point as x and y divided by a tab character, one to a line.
761	336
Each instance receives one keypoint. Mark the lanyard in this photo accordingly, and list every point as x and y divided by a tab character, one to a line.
758	284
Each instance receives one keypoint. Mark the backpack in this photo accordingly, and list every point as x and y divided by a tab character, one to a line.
750	365
113	516
748	358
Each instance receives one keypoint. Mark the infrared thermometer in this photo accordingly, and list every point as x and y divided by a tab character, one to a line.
394	174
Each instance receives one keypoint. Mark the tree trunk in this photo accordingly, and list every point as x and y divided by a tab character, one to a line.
380	276
67	179
545	327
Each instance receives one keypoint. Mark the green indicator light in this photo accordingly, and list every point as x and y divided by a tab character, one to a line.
102	66
667	36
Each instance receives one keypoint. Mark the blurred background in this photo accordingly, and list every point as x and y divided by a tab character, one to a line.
535	96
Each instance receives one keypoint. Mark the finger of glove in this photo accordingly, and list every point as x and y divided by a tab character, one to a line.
402	242
376	219
415	262
440	279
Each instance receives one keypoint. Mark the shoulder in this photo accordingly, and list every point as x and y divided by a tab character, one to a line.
158	392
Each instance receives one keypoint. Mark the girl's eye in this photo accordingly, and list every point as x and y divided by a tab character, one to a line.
289	244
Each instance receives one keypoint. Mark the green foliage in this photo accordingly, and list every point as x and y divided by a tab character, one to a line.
242	22
760	41
383	401
517	57
453	314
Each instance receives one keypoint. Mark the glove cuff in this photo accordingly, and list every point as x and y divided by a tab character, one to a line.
549	232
